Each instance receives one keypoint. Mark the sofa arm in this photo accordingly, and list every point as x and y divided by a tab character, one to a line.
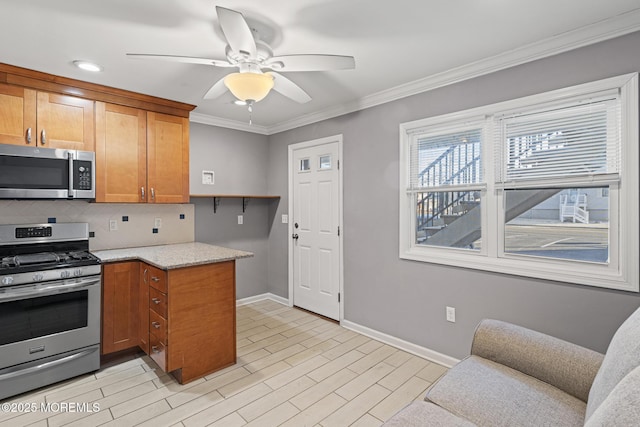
564	365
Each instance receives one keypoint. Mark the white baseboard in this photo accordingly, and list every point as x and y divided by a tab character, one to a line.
262	297
423	352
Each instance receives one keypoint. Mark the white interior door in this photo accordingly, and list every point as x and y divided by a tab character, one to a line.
315	228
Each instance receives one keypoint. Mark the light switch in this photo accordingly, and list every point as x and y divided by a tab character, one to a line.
285	218
240	220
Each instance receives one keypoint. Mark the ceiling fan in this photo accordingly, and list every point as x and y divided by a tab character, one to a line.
258	68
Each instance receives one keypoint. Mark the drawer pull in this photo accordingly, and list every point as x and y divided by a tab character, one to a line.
156	300
155	279
155	349
155	325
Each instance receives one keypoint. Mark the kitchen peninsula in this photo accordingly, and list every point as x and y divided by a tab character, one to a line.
176	302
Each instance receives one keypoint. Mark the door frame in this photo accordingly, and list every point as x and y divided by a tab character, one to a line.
291	149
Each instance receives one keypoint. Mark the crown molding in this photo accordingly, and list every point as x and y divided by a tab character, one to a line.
590	34
206	119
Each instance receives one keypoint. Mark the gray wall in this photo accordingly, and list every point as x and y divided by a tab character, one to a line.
407	299
239	160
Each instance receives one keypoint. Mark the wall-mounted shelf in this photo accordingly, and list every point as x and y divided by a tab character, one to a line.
245	199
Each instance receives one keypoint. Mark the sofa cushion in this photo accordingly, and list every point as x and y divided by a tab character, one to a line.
622	406
564	365
423	414
623	355
489	394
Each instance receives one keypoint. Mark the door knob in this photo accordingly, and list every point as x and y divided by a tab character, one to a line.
295	236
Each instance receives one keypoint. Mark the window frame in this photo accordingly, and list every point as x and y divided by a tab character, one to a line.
621	273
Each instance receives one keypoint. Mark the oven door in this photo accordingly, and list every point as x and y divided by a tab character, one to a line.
46	319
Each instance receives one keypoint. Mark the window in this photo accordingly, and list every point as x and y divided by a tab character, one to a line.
446	177
544	186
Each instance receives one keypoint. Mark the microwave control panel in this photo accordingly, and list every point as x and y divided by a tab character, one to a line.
82	175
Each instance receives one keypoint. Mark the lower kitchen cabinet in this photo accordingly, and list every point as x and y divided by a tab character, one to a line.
120	306
185	317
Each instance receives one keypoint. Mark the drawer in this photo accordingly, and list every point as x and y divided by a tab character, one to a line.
158	351
157	278
158	326
158	302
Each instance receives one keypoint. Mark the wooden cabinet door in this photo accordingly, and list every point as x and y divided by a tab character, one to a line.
167	158
17	115
121	154
143	308
65	122
120	306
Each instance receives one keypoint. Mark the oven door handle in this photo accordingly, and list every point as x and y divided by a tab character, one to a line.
14	295
47	365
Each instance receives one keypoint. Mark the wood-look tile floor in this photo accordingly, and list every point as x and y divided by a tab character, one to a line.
293	369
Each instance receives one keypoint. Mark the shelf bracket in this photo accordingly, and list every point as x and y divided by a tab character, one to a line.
216	203
245	202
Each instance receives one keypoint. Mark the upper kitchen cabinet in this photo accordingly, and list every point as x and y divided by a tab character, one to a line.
65	122
167	158
29	117
121	154
17	115
141	142
141	156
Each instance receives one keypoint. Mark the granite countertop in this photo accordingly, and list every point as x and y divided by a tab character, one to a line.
178	255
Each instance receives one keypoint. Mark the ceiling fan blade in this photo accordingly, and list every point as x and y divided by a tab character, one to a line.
216	90
288	88
183	59
311	62
236	31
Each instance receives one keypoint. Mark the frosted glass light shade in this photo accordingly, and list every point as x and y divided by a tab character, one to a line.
249	86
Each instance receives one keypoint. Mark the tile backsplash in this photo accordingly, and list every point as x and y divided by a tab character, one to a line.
134	223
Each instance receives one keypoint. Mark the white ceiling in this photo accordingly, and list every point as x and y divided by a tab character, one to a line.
401	47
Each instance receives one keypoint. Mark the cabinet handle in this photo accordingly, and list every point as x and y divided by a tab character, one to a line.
142	192
144	276
155	349
29	136
155	279
155	325
155	300
43	139
153	194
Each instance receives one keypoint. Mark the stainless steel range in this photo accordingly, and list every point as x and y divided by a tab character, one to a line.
49	305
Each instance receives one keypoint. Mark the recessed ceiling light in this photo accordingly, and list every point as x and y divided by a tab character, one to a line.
87	66
239	102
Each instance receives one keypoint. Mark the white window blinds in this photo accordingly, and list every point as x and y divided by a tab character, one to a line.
572	141
449	159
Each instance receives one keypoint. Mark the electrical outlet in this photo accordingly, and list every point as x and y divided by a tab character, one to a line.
157	223
113	224
451	314
285	218
240	219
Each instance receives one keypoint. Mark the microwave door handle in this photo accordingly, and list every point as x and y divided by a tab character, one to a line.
71	192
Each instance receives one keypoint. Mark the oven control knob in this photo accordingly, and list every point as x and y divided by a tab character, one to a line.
38	277
7	280
64	274
77	272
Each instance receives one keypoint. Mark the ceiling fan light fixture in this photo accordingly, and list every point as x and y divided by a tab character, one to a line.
249	86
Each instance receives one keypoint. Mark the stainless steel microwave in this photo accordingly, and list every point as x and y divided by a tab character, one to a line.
46	173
